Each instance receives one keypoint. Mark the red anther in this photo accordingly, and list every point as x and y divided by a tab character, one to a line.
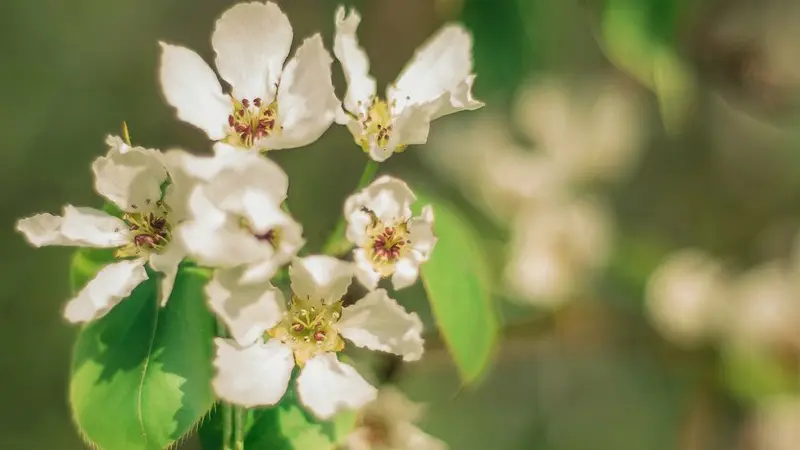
240	113
144	240
298	327
257	102
389	231
230	120
245	103
319	336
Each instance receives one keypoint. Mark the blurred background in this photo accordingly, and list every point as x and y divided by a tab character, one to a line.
635	178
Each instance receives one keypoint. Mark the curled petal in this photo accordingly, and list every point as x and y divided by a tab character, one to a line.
377	322
354	61
110	286
248	310
130	177
257	375
327	386
387	197
365	273
167	263
82	227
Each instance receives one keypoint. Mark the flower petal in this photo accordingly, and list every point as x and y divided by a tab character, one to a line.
252	40
191	87
420	233
288	239
167	263
248	310
439	73
388	197
354	61
307	103
257	375
365	273
357	223
131	178
327	386
406	272
110	286
224	246
377	322
243	176
320	277
82	227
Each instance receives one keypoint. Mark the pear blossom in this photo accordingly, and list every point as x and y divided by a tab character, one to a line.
269	106
234	213
686	297
436	82
132	179
388	424
271	336
390	242
554	247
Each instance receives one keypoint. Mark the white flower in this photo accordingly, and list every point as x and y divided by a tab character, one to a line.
436	82
131	178
555	248
269	339
686	297
590	140
764	310
388	424
235	216
390	242
270	106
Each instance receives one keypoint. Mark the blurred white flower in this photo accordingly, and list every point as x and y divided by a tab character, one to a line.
388	424
686	297
270	106
591	141
777	424
556	248
436	82
269	339
764	308
390	242
235	216
132	179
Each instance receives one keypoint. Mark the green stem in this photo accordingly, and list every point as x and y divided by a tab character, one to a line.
227	429
337	243
238	427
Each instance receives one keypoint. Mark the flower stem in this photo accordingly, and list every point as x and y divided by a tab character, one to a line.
337	243
238	427
227	429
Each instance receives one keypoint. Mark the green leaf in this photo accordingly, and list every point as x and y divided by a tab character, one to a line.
141	374
288	426
457	283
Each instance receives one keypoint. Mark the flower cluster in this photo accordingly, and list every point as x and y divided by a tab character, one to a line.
226	211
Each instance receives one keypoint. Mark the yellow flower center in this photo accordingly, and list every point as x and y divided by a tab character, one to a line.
376	125
251	121
386	244
309	328
151	232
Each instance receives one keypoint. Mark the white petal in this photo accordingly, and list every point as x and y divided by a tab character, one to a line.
420	233
406	272
364	271
252	41
389	198
224	246
354	61
131	178
320	277
110	286
83	227
191	87
439	72
257	375
246	175
307	103
377	322
167	263
412	126
248	310
357	223
327	386
290	240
